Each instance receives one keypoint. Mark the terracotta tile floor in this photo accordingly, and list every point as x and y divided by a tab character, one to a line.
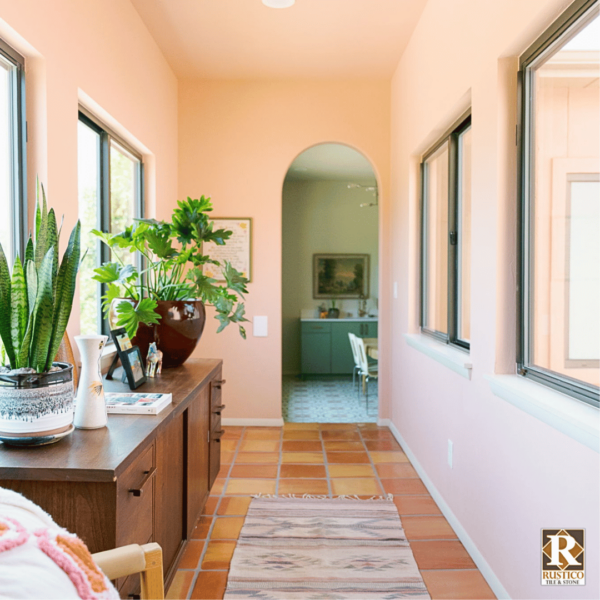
323	459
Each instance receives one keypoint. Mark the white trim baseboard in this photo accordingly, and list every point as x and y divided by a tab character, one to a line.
463	536
252	422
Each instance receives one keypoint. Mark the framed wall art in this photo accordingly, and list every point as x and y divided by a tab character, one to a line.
237	249
341	276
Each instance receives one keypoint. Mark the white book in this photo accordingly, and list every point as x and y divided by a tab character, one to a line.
136	404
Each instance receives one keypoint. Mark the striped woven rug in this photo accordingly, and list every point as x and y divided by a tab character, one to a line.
323	549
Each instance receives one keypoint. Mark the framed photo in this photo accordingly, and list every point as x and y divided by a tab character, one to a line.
341	276
133	365
237	249
121	339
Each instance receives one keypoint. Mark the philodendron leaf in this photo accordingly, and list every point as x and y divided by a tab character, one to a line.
235	280
112	293
19	310
65	290
5	312
44	304
130	317
115	273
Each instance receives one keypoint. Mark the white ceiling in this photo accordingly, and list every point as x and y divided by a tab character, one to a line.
332	161
239	39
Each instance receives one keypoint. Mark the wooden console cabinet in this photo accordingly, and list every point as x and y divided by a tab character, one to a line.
143	478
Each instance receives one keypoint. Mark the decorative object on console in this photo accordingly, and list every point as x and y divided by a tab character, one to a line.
166	306
133	365
36	393
341	276
154	361
137	404
90	409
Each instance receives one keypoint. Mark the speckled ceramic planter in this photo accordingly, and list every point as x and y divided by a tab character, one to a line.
36	408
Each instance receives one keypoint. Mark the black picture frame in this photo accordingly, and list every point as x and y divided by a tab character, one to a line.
133	365
122	343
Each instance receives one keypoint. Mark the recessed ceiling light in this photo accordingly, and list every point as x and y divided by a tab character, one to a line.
278	3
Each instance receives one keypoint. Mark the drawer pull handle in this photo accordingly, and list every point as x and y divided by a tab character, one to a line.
218	383
149	475
217	409
216	436
134	596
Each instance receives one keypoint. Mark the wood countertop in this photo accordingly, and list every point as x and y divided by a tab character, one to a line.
102	454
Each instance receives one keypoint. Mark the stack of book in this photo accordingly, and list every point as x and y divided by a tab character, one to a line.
136	404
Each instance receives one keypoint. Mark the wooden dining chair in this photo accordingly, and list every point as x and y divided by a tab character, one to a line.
367	370
128	560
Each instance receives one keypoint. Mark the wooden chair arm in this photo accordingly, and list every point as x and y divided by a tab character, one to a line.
127	560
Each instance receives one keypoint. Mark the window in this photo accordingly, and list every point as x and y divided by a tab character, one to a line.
110	198
560	205
446	237
13	227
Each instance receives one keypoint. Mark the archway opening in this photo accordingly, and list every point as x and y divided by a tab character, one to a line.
330	282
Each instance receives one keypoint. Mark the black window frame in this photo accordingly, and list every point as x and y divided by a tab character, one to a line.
451	137
574	18
18	149
103	216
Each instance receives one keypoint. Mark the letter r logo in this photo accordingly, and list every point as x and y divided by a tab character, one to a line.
561	545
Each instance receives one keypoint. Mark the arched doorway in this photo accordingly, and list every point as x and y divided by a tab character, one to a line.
330	264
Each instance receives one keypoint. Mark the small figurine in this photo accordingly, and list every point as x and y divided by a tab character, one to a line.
154	360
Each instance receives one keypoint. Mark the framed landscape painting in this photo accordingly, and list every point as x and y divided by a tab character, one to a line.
341	276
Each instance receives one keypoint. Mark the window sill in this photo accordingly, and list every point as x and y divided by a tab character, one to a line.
457	360
574	418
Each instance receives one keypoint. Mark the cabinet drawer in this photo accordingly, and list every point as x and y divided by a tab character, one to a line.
310	327
135	501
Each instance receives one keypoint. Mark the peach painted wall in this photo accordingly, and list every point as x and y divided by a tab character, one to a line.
97	52
512	474
237	141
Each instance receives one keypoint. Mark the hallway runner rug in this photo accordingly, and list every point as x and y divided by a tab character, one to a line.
323	548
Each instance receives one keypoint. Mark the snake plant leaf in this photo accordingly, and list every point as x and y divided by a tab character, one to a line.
38	210
131	316
19	310
23	352
41	241
52	242
5	299
32	284
44	304
29	251
65	290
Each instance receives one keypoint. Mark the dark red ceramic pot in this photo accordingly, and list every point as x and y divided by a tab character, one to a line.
176	335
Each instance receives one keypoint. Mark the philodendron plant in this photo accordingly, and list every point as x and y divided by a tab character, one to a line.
174	262
36	299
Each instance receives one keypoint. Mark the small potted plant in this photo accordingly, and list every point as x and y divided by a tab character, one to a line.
334	312
164	302
36	297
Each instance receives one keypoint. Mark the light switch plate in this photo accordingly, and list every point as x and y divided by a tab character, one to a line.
260	326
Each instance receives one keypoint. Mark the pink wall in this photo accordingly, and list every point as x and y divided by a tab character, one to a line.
236	142
98	52
512	473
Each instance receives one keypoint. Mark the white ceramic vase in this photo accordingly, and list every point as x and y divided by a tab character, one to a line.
90	408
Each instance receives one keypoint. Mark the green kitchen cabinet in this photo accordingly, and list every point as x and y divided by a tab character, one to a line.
316	348
342	361
326	346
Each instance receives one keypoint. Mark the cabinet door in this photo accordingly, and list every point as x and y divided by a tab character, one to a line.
370	329
169	516
316	353
198	415
342	361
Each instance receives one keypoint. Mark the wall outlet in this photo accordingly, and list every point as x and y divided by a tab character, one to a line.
450	451
395	290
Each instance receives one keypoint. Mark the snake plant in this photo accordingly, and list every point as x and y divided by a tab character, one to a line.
36	299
